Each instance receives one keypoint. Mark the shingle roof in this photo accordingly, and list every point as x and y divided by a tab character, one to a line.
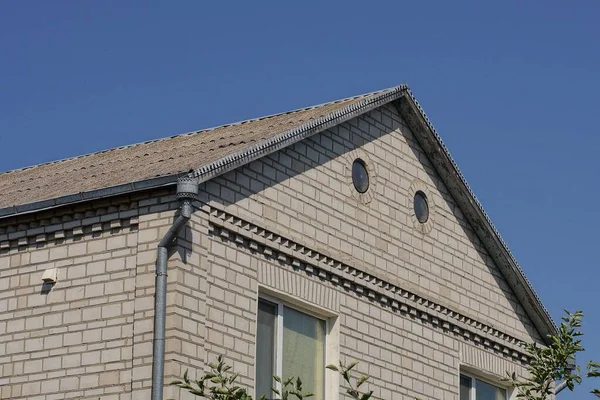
155	158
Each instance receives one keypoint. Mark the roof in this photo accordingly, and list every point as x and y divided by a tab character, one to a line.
209	153
140	162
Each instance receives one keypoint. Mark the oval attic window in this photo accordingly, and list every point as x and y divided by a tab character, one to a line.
421	207
360	176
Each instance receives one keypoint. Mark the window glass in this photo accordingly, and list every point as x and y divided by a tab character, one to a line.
302	354
474	389
485	391
265	347
303	350
360	176
465	388
421	207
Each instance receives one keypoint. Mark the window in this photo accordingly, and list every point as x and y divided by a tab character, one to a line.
360	176
474	389
289	343
421	207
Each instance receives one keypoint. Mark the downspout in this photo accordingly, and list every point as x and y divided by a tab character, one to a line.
560	387
187	191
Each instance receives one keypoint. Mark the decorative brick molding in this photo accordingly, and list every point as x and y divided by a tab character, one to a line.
307	287
76	224
420	186
313	263
485	362
366	197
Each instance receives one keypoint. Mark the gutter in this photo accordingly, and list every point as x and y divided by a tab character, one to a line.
88	196
187	191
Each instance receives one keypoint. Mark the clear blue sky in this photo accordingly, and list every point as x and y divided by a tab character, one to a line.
512	88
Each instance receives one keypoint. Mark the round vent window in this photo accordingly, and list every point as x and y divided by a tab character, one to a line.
421	207
360	176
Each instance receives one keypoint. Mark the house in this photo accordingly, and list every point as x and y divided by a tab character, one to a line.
343	231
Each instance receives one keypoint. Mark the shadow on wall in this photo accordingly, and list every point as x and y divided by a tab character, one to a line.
306	155
47	287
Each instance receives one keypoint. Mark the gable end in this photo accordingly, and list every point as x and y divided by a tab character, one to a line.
446	167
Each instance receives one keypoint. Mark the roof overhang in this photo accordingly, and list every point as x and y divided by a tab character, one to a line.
427	137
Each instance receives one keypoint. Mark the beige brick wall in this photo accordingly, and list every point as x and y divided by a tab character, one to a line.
403	353
89	335
305	193
72	340
415	305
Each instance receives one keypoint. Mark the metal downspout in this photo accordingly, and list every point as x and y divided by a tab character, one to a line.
187	190
560	387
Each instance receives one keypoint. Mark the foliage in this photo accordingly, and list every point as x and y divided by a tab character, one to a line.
548	364
353	390
217	384
290	387
553	363
594	372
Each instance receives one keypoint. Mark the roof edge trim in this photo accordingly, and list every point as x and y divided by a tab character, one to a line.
297	134
477	217
97	194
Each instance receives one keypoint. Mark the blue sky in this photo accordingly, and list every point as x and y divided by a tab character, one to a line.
511	87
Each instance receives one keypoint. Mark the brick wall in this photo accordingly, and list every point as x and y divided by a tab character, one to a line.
305	193
415	303
72	340
404	353
90	334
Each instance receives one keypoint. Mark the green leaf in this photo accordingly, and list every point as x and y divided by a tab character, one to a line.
352	365
233	377
346	376
332	367
366	396
362	380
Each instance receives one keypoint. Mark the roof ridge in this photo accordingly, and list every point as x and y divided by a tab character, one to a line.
296	110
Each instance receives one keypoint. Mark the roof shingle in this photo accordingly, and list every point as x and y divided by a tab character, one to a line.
156	158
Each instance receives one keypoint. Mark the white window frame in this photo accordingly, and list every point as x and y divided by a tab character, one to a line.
331	345
475	378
